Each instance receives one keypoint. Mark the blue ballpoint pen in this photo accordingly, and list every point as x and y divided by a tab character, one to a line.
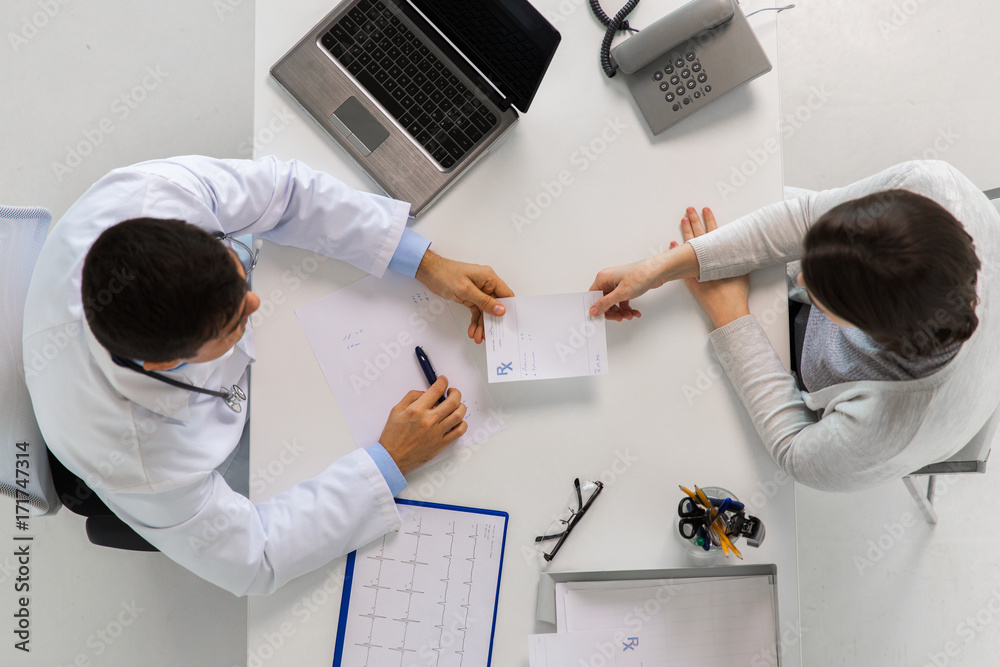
425	366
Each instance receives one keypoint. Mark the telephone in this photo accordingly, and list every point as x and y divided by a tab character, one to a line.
682	62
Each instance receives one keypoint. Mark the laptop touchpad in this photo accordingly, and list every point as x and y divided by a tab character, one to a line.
358	126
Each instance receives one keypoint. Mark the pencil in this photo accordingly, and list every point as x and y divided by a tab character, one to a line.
688	491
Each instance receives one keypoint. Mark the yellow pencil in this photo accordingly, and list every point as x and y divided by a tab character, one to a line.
688	491
708	505
726	542
703	498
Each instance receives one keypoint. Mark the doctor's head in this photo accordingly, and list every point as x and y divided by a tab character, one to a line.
163	292
898	266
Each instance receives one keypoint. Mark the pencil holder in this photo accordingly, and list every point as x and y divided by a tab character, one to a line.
694	544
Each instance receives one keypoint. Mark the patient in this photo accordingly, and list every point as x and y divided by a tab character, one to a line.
900	346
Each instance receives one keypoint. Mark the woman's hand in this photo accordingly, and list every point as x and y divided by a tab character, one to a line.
621	284
474	286
723	300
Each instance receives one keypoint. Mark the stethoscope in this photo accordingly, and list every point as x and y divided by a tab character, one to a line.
232	396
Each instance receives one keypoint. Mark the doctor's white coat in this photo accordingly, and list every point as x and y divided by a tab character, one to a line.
150	450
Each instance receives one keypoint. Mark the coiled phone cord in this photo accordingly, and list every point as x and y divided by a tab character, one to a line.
618	23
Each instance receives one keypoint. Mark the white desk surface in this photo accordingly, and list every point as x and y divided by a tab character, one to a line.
664	415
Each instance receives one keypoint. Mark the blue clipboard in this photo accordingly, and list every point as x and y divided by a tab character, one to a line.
345	600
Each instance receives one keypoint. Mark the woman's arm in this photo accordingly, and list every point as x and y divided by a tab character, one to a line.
850	448
765	237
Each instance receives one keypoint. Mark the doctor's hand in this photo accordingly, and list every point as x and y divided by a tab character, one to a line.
418	429
474	286
723	300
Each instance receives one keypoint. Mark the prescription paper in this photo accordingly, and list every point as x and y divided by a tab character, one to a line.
611	648
544	337
364	337
698	621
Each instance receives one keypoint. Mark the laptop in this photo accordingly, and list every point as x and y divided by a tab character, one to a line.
416	91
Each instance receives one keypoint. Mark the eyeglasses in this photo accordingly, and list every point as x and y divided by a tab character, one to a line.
577	504
246	255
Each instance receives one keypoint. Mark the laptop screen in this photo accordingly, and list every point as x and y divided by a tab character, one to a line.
508	40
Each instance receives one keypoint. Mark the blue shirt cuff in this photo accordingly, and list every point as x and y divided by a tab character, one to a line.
409	253
387	467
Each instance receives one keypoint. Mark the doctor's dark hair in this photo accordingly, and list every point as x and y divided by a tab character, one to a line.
157	290
898	266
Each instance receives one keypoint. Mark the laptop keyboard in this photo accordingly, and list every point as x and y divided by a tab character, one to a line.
434	106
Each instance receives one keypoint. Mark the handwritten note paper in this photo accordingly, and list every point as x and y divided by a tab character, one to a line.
542	337
364	337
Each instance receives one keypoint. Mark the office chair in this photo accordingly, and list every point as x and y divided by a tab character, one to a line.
45	483
103	527
970	459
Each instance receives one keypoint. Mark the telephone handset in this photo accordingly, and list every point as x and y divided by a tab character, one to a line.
683	61
675	28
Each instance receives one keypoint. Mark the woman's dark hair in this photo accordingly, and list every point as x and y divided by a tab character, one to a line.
899	267
157	290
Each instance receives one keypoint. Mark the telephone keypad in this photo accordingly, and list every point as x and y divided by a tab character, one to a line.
688	80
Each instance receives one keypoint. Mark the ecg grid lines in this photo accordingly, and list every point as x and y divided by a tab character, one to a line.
420	595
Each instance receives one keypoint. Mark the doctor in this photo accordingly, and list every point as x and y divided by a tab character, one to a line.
137	344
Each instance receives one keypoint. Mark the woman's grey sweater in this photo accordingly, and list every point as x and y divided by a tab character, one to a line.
857	434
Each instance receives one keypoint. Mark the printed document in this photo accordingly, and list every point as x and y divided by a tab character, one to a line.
543	337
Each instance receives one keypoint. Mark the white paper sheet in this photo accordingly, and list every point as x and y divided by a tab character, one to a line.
425	594
543	337
364	337
611	648
705	621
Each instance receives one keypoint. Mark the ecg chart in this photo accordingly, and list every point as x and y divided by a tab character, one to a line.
424	595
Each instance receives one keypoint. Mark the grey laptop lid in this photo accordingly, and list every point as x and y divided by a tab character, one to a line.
416	91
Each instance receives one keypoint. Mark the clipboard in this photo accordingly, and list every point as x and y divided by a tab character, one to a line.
441	568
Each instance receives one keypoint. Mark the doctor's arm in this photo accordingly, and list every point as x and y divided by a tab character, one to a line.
254	549
249	549
291	204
